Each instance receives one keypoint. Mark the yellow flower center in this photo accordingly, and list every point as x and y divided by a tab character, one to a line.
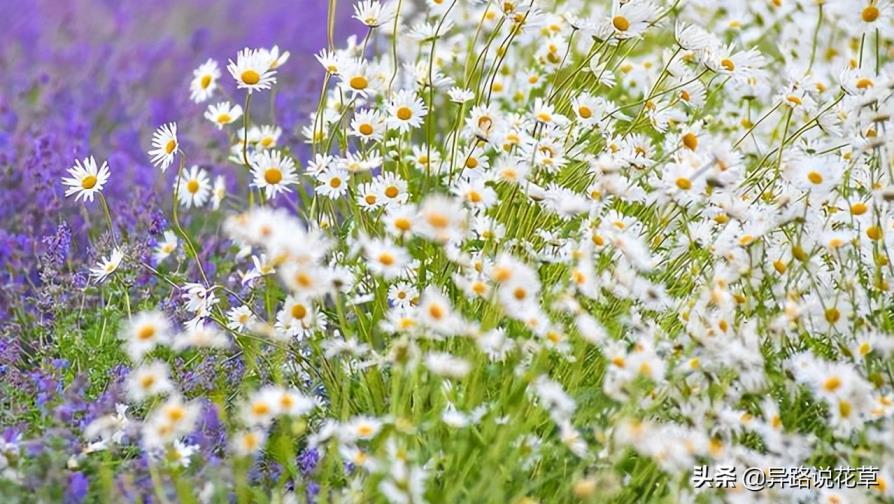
273	175
832	384
620	23
335	183
402	223
147	381
684	184
386	258
864	83
88	182
251	77
365	129
859	208
299	311
392	192
832	315
206	81
359	83
404	113
370	199
845	408
727	64
690	140
585	112
438	220
145	333
815	177
870	13
224	119
192	186
171	146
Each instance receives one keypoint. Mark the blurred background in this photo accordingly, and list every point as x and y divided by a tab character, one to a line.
96	77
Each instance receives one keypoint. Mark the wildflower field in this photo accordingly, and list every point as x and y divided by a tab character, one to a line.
407	251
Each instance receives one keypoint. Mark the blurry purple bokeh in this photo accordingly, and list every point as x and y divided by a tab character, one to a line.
95	77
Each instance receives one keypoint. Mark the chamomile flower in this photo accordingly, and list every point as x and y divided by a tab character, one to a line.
333	183
627	19
368	125
204	81
149	380
385	259
218	192
373	13
85	179
193	188
223	113
460	95
144	332
274	57
166	247
253	70
273	172
264	137
164	146
240	318
406	111
107	266
248	442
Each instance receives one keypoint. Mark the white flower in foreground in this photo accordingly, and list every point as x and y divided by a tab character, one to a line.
169	422
164	146
204	81
149	380
253	70
144	332
107	266
248	442
86	179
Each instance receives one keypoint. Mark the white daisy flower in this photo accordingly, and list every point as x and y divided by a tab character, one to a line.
273	172
333	183
107	266
373	14
149	380
86	179
166	247
223	113
252	70
406	111
204	81
144	332
164	146
193	188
